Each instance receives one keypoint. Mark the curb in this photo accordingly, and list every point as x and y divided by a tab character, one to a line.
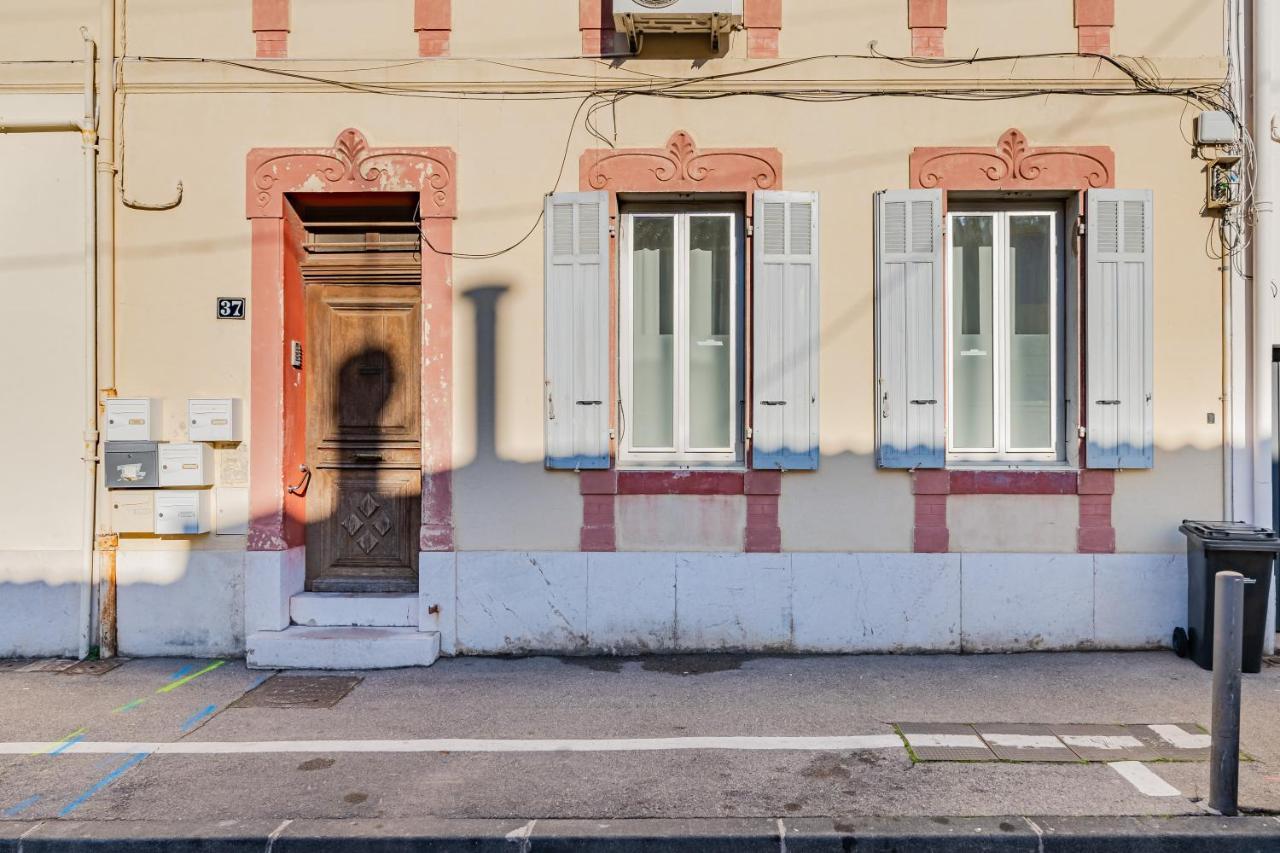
793	835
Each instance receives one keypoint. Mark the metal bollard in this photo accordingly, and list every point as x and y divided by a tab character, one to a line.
1228	651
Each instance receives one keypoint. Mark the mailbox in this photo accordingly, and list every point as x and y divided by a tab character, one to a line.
186	465
184	513
133	512
133	419
216	419
132	465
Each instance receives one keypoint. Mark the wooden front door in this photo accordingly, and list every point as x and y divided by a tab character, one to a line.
364	444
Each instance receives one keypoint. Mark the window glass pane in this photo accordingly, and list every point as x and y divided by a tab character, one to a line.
710	326
973	344
1031	348
651	419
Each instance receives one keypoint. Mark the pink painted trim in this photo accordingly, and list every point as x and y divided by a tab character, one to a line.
679	167
349	166
433	22
1013	482
681	483
595	22
763	20
271	28
1094	488
927	20
1094	20
1012	165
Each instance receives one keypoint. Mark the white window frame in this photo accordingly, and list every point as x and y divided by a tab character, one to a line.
681	455
1002	453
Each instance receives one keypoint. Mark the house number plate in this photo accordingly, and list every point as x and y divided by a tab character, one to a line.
230	307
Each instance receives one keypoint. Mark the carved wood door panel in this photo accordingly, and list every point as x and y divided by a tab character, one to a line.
363	437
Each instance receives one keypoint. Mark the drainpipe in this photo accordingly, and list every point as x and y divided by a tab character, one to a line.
105	318
89	521
1237	456
1266	254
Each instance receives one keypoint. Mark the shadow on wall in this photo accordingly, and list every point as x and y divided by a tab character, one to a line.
192	602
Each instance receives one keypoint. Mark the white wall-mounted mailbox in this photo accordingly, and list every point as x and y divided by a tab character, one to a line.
133	512
183	513
186	465
214	419
133	419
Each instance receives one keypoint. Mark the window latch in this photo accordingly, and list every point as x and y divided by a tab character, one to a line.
924	402
1107	402
590	403
773	402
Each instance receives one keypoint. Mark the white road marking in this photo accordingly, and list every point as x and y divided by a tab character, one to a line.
1116	742
1145	780
946	741
1024	741
808	744
1175	736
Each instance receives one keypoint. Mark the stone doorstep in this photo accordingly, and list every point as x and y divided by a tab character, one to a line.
796	835
300	647
334	609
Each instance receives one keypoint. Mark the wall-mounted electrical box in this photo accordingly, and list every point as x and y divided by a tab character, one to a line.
231	513
214	419
133	512
1224	183
133	419
182	513
1216	127
131	465
186	465
713	17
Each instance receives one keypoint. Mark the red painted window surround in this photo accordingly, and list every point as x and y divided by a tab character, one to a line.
1094	21
763	20
927	20
737	170
271	28
433	22
1012	164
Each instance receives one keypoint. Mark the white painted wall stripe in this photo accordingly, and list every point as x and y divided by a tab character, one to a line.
946	741
808	744
1116	742
1024	741
1177	737
1144	779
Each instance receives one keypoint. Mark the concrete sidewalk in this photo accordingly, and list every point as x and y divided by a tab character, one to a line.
634	752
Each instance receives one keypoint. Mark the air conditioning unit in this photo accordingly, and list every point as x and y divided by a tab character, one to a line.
713	17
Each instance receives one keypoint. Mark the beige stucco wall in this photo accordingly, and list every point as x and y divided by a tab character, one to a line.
195	123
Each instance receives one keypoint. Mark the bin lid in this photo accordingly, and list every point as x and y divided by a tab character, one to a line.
1231	534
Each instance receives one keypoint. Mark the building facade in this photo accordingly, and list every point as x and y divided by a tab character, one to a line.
486	327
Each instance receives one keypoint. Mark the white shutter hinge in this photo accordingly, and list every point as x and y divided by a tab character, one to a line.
751	228
612	435
1081	227
1080	432
748	433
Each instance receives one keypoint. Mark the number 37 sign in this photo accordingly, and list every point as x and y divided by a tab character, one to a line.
230	307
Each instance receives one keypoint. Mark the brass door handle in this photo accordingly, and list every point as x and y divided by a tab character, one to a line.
300	490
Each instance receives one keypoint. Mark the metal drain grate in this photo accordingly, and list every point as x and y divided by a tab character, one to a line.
92	667
48	665
298	691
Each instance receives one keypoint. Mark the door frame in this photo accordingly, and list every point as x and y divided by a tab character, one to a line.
277	407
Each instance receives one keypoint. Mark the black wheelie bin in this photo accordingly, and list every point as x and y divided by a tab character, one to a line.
1226	546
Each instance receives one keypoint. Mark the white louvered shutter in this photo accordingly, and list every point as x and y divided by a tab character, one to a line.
576	382
910	378
785	332
1119	286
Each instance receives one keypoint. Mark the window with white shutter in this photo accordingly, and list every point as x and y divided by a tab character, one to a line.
1119	285
785	332
910	364
576	354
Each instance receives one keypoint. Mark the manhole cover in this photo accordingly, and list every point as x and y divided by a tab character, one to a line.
92	667
297	691
50	665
